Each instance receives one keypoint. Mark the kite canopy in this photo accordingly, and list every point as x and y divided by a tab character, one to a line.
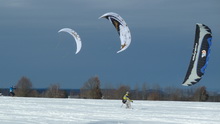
76	37
200	55
121	27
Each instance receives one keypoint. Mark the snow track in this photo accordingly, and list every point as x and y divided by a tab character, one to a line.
20	110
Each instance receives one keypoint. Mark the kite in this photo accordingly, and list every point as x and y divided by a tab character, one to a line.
200	55
121	27
76	37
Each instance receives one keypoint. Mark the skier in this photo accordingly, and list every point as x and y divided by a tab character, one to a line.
11	90
126	100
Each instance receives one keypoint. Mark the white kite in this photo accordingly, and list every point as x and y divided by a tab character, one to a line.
121	27
200	55
76	37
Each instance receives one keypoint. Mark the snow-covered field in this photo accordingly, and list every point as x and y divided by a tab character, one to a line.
20	110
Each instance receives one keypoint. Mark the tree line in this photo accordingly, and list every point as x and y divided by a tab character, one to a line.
91	89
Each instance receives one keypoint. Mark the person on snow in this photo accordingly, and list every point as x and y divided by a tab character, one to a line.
126	100
11	91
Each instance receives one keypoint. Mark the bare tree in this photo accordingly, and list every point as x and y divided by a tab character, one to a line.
91	89
154	96
23	87
136	94
189	94
201	94
120	92
173	94
155	93
73	94
34	93
144	91
108	92
55	92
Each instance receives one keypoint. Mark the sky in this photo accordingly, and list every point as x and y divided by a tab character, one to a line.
162	31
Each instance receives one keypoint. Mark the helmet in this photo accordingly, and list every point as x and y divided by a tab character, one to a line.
127	93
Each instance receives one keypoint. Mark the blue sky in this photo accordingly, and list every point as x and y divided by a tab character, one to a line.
162	40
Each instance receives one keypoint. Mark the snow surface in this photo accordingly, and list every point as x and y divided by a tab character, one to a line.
20	110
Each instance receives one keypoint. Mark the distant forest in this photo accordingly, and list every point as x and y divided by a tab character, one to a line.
91	89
